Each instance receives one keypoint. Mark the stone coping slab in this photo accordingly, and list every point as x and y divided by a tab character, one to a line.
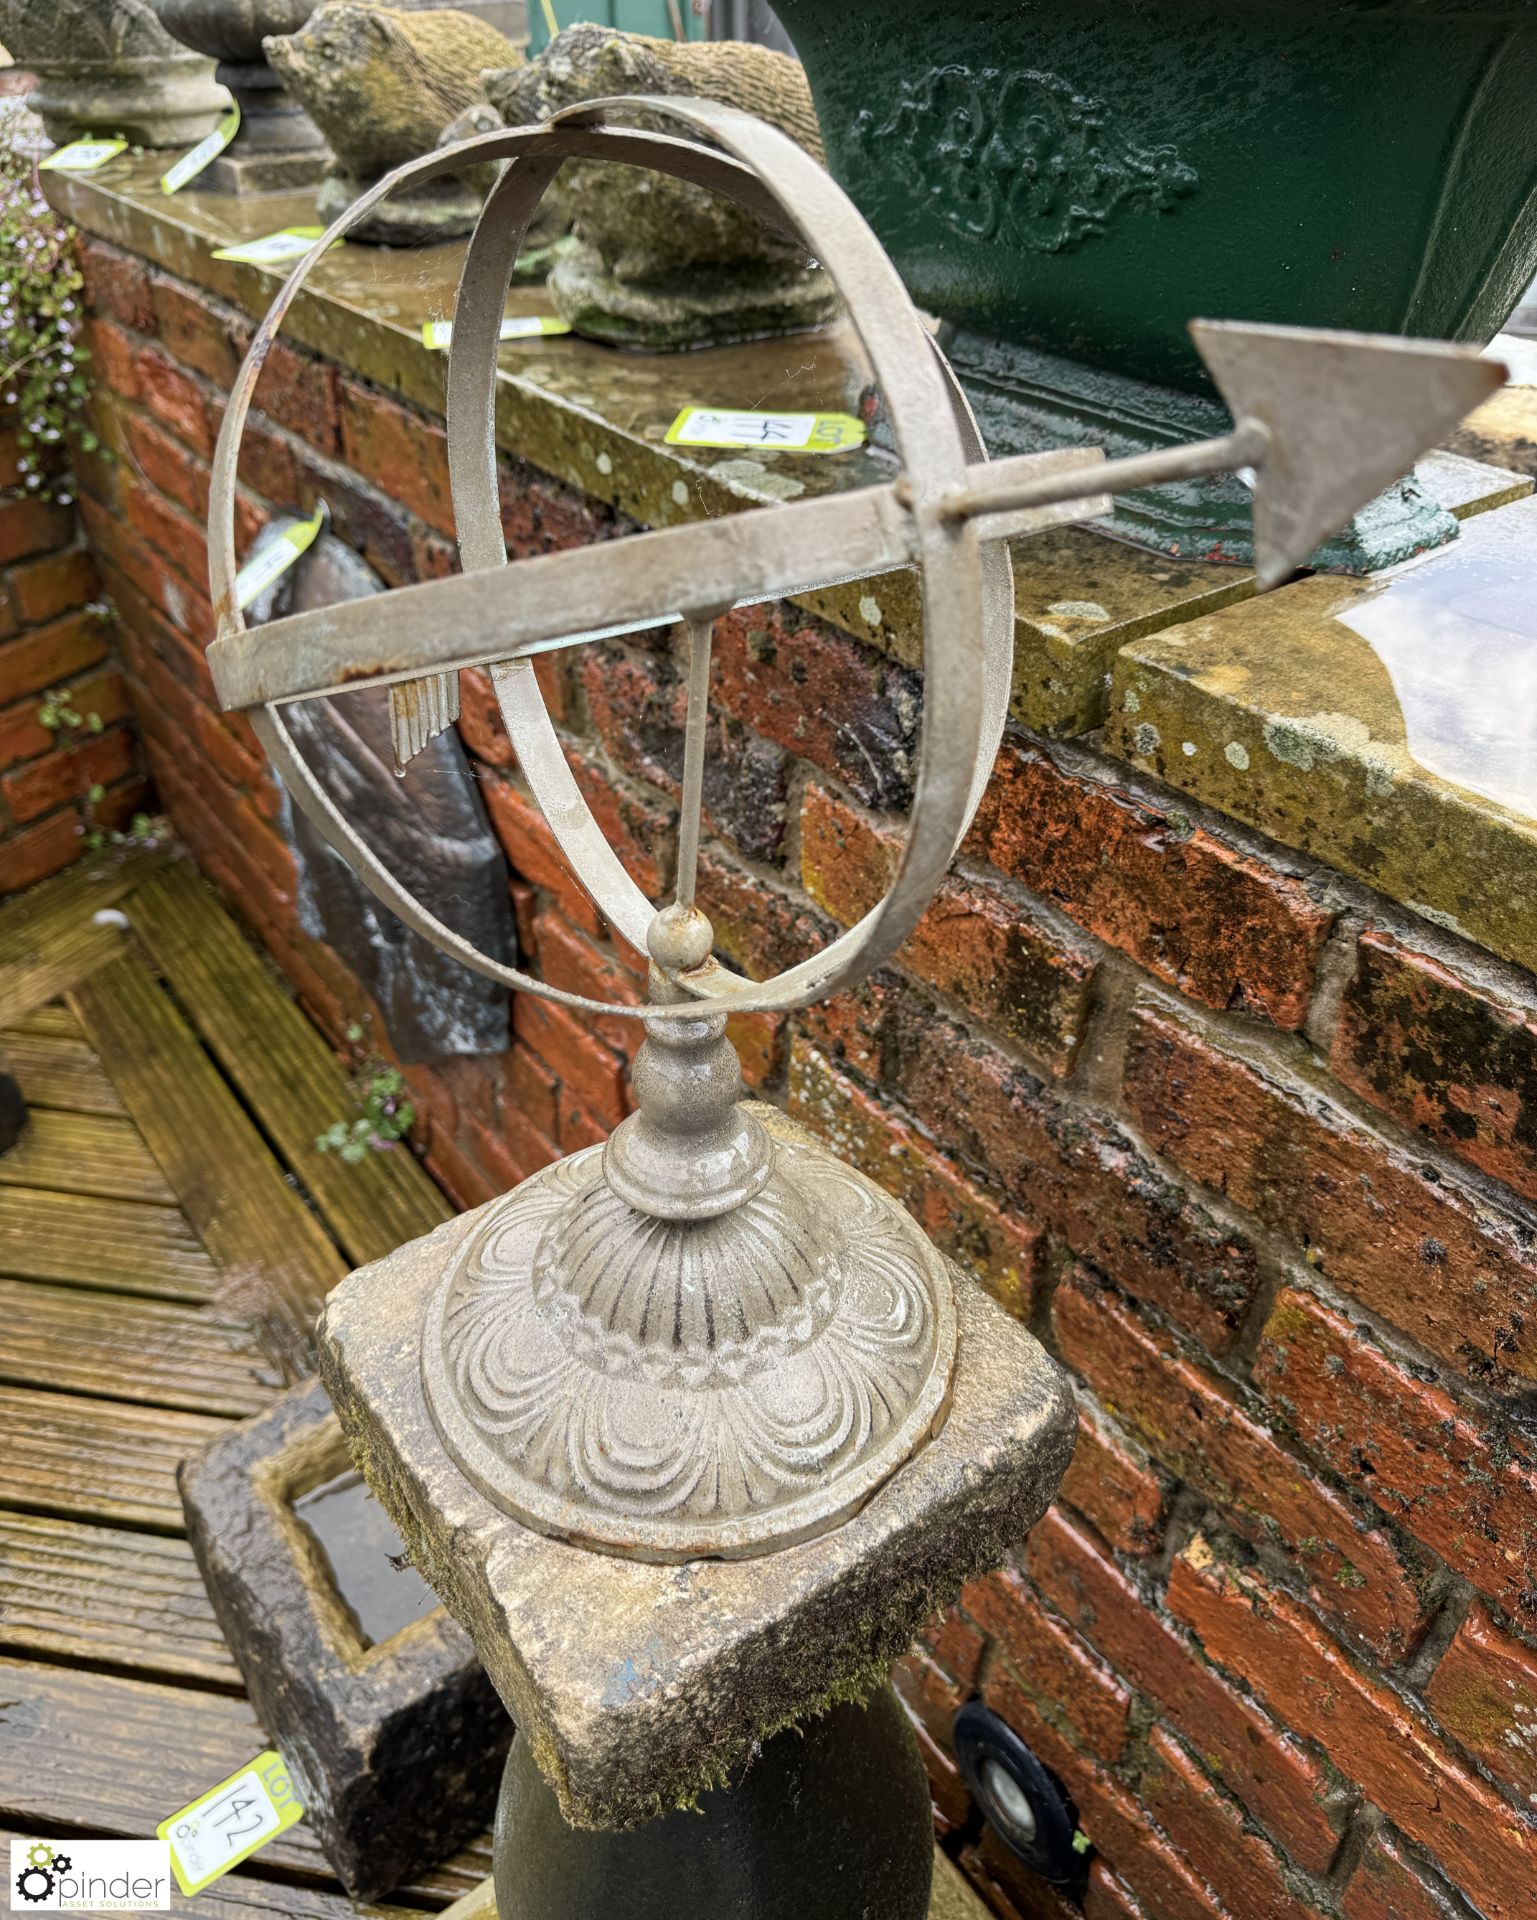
642	1685
1384	725
362	1725
595	418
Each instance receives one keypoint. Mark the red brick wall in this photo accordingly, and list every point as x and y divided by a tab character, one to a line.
1251	1151
64	782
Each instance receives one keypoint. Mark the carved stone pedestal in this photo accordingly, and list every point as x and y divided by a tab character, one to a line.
639	1684
110	69
278	147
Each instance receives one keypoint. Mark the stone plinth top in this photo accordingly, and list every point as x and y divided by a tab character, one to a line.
640	1685
1184	635
1384	724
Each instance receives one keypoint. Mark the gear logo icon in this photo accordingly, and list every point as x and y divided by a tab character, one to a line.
38	1877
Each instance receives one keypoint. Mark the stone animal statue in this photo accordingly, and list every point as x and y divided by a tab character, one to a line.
662	263
382	83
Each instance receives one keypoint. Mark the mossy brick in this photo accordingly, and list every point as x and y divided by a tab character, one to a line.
759	927
57	583
1109	1814
1085	1178
1451	1057
68	773
1374	1735
116	283
1067	1680
998	1244
399	450
114	364
29	527
1388	1885
1107	1897
637	701
821	696
50	655
533	851
1112	1483
1198	1427
578	1059
1243	1869
36	852
1484	1693
201	333
1224	926
176	399
1280	714
1443	1469
1454	1272
1287	1790
998	957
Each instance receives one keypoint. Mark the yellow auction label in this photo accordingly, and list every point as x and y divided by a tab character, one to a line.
192	162
273	249
746	427
278	556
82	156
229	1822
438	334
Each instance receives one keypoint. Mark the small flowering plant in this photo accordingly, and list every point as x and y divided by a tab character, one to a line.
42	378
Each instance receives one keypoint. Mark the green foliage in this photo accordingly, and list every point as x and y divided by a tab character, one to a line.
59	714
42	364
385	1115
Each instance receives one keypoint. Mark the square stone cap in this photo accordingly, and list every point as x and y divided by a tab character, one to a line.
642	1685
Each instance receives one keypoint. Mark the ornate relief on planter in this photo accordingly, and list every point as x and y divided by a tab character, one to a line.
1022	156
110	69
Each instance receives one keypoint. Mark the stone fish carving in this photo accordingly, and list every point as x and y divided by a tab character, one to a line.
1022	156
382	84
661	263
431	821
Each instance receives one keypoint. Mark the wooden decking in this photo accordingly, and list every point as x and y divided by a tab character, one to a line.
166	1231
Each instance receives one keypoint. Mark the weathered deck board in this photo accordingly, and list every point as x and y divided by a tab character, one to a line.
277	1258
76	1341
56	1070
96	1459
51	1018
50	937
117	1244
103	1596
94	1751
84	1153
240	1896
280	1063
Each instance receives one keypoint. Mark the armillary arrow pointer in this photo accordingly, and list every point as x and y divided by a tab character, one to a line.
1322	421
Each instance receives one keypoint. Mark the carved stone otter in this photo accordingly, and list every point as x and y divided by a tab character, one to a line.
661	263
382	84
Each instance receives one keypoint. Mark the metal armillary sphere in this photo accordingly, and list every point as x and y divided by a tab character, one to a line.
710	1337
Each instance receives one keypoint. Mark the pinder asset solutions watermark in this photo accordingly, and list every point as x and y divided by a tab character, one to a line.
90	1876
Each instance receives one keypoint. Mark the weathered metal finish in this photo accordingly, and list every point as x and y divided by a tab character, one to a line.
706	1339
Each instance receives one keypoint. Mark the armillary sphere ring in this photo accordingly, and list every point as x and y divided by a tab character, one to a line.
498	616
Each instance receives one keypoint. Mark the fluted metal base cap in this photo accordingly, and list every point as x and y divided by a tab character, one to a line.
675	1390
